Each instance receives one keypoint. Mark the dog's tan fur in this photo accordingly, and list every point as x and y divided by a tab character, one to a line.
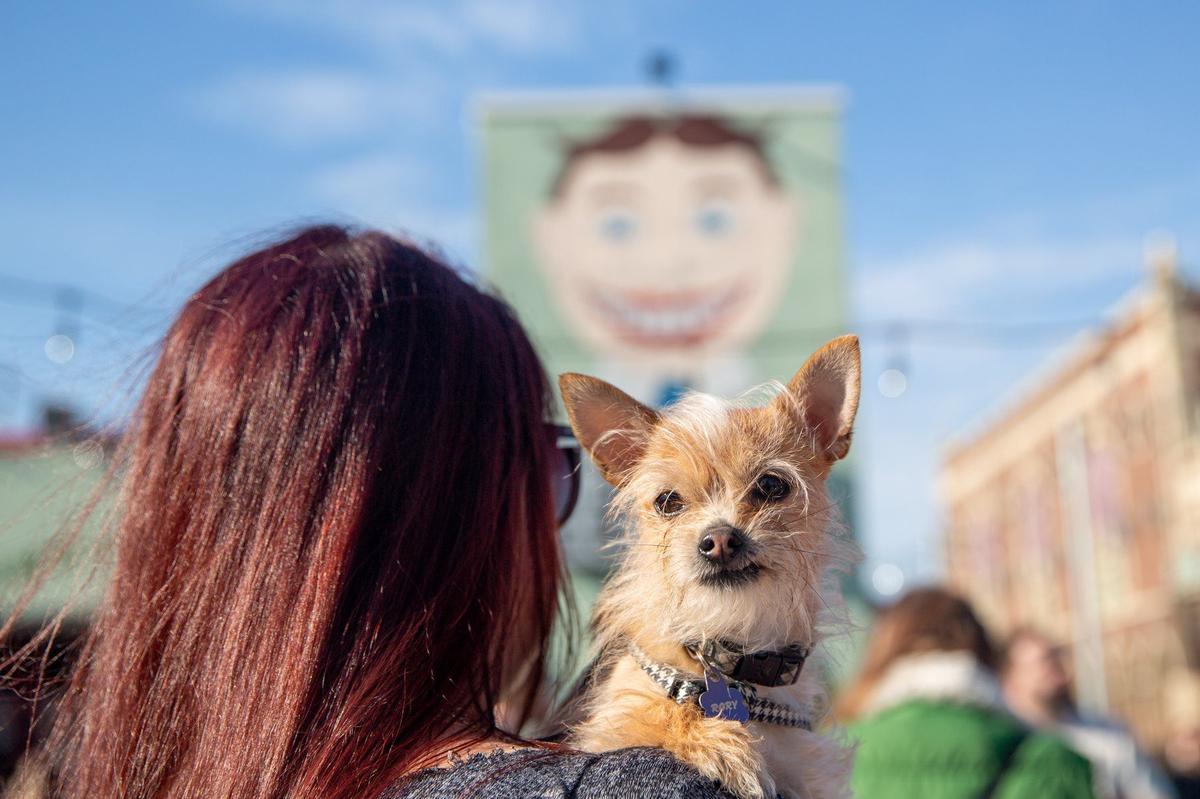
711	452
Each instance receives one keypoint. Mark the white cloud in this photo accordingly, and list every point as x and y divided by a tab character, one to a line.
304	107
372	181
522	26
388	191
513	27
1031	260
959	277
422	49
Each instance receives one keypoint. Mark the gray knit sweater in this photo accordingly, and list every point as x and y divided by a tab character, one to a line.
530	773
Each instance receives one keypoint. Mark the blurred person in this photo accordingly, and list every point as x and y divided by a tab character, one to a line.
336	550
1182	749
1182	754
929	717
1038	689
26	714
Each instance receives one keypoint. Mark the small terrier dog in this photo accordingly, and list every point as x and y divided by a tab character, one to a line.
704	628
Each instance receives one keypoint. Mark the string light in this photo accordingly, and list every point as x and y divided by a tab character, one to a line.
60	348
887	579
893	380
892	383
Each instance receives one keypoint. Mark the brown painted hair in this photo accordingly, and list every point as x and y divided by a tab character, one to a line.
691	130
924	620
336	549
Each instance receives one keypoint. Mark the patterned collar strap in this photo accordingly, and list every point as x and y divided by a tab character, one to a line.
687	689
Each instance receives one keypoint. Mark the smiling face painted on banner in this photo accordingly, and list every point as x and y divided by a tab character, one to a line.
667	241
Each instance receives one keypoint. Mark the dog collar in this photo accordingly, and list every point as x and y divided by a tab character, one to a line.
686	689
769	667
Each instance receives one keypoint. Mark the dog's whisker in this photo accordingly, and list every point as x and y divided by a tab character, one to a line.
817	593
832	554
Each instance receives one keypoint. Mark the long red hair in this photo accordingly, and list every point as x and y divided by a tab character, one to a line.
336	549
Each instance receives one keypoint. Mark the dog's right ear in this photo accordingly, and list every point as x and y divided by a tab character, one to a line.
611	425
826	390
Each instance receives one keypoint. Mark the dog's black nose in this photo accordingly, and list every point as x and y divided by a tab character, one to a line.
722	543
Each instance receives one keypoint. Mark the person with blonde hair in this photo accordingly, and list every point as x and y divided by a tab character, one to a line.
929	717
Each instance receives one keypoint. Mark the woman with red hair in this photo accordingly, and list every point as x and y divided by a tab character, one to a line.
336	550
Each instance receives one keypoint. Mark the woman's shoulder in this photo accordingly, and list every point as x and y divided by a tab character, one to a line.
921	735
1044	765
953	749
938	722
555	773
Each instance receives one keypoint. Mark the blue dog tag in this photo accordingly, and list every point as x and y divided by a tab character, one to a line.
721	700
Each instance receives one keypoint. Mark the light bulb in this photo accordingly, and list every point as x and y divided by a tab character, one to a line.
892	383
59	348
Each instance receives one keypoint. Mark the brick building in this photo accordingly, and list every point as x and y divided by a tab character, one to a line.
1077	509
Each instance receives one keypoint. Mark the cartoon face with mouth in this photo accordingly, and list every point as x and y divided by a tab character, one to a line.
667	239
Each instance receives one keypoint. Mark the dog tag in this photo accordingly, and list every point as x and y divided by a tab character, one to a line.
721	700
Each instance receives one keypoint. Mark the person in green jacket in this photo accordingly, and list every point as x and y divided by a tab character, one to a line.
929	717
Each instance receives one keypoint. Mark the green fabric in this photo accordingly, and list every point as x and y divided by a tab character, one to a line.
941	750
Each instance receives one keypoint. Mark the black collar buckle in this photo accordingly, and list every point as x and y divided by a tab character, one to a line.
768	667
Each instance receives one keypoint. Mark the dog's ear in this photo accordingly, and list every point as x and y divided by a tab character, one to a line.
611	425
825	394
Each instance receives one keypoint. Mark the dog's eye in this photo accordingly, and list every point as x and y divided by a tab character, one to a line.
668	503
770	488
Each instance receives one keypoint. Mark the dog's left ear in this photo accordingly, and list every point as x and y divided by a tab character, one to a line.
825	394
611	425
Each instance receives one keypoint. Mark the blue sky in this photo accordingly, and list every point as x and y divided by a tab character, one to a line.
1004	162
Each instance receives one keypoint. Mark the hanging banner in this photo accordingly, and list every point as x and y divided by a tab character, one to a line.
668	242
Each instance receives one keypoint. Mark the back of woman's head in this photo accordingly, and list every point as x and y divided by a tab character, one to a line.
923	620
336	529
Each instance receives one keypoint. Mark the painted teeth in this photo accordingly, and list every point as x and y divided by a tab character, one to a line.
666	322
